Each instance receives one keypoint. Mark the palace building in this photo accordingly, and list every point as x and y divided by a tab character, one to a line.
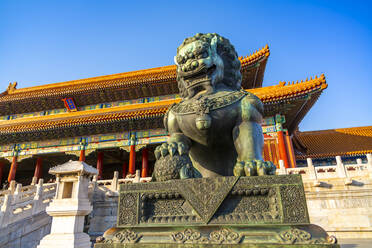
115	122
322	146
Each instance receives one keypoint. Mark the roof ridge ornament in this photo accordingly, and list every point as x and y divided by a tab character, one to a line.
320	79
11	87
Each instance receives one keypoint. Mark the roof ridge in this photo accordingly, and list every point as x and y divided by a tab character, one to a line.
257	55
293	89
321	79
94	79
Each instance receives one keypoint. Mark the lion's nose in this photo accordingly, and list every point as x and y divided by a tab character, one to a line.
190	65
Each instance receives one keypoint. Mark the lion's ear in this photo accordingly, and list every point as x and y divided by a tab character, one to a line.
175	60
214	45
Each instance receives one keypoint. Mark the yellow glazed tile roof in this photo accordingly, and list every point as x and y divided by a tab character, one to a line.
127	79
254	57
291	89
135	111
336	142
269	94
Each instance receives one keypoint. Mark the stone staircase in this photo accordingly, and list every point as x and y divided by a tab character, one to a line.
23	219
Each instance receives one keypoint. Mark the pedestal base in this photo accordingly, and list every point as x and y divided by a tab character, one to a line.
265	211
218	236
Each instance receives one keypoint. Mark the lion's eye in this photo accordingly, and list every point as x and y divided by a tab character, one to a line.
180	59
198	49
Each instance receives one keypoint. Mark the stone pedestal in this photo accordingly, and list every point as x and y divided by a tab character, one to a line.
70	206
265	211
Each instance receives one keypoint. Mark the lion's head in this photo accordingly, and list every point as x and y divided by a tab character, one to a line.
204	63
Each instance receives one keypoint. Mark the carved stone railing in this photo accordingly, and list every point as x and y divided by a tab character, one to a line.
340	170
20	202
113	184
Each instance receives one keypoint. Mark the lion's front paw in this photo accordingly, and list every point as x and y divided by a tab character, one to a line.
173	162
254	168
171	148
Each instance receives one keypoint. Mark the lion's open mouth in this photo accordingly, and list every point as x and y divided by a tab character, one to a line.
195	78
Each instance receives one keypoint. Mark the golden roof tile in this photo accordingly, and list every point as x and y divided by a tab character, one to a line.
126	79
336	142
126	112
267	95
286	90
256	56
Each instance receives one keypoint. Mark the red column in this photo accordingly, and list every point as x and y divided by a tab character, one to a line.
82	155
282	150
13	169
38	168
145	162
290	150
1	170
99	165
132	160
125	169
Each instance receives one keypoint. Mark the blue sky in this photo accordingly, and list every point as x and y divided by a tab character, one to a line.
52	41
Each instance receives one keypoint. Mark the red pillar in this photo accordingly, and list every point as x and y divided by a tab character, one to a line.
38	168
99	165
13	169
1	170
132	160
82	155
125	169
145	162
282	150
290	150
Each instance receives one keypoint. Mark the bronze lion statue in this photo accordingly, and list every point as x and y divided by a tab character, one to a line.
215	130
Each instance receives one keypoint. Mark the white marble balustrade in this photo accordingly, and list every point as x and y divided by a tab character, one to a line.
340	170
19	202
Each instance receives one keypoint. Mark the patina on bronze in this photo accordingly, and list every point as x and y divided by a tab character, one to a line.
216	124
195	200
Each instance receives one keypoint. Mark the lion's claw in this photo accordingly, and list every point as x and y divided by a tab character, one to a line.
239	169
171	148
261	168
157	152
182	148
164	149
250	168
254	168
